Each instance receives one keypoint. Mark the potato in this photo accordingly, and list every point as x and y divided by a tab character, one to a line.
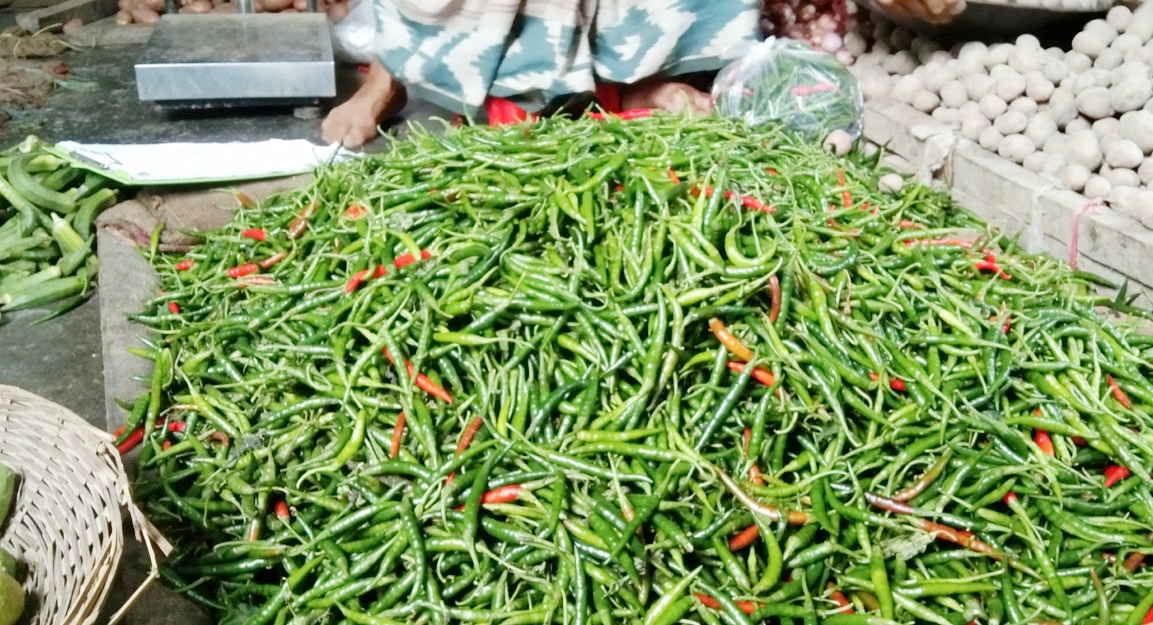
1101	28
123	17
926	101
1107	142
1077	125
973	126
998	54
1010	85
1056	144
990	139
1137	126
1016	148
1084	81
1125	42
1024	105
1035	162
1145	171
978	86
1077	62
875	87
1119	17
1084	149
1054	165
1097	187
953	94
1107	127
856	43
936	76
1123	178
1075	177
1025	59
838	142
891	183
1063	112
906	88
155	5
1089	43
1141	55
1109	59
1124	154
198	6
1011	122
1095	103
992	106
1055	70
1039	128
900	63
1130	94
1037	87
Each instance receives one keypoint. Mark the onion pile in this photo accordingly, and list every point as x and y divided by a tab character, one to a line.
835	26
1081	117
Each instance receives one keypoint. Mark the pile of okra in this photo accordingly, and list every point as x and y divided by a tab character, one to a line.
652	371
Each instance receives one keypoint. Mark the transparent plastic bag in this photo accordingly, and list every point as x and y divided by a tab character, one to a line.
353	35
806	90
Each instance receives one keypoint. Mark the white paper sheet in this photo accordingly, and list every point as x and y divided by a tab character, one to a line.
174	163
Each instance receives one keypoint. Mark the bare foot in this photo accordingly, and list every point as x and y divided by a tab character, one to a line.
669	96
354	123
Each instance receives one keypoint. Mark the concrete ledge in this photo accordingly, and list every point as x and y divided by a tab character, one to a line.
1040	211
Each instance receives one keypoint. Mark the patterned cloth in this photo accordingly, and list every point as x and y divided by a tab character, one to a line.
455	53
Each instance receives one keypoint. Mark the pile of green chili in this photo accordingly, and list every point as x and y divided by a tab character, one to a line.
649	371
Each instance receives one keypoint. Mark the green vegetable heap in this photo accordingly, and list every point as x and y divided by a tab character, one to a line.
640	371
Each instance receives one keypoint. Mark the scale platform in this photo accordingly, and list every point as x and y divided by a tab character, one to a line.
254	59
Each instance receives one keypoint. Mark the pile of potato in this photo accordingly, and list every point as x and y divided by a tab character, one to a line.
1081	117
149	11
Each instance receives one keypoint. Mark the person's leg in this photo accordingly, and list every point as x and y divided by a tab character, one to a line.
355	122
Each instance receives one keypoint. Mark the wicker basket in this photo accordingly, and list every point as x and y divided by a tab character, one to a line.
66	524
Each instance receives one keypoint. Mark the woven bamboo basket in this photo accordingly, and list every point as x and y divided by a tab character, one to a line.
67	525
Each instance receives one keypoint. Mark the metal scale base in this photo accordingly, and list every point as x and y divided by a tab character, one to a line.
244	59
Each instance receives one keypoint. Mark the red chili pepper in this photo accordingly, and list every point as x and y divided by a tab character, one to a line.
1077	440
673	176
618	188
1115	473
897	384
176	426
1118	394
397	435
280	508
988	265
1148	620
220	437
271	261
770	170
256	234
254	280
1044	441
355	281
174	308
501	494
380	272
407	259
840	600
775	298
120	430
748	607
466	437
755	476
1135	561
243	270
133	440
744	538
355	211
874	376
846	197
746	436
757	205
1010	497
166	445
185	265
1007	326
422	381
764	376
908	224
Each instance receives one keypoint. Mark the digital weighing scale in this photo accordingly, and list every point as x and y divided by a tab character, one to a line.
242	59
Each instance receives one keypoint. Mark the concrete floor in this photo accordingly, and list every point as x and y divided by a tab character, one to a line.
61	360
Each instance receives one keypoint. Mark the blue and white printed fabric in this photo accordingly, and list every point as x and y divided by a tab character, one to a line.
455	53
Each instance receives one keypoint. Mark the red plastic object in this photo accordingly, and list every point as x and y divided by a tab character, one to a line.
502	112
